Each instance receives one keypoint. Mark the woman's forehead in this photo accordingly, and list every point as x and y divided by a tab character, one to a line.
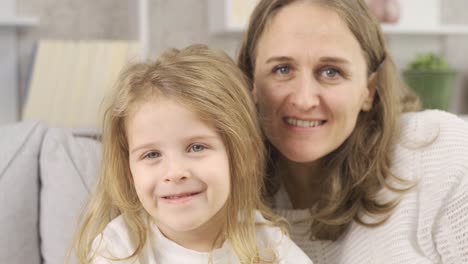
307	31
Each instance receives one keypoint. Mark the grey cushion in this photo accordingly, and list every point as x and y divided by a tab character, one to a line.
69	168
19	188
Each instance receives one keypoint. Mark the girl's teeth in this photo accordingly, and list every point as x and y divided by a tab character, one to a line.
303	123
178	196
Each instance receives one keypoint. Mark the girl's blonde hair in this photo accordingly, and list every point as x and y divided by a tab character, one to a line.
208	83
359	168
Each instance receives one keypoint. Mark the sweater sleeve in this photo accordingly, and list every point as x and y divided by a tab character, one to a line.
451	229
443	189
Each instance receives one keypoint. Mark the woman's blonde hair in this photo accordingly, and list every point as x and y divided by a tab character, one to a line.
208	83
361	166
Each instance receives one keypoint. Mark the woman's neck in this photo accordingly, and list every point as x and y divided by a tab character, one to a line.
301	181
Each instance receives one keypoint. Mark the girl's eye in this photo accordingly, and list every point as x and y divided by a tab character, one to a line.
197	148
152	155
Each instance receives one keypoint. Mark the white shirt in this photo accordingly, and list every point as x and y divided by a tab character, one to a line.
160	250
430	225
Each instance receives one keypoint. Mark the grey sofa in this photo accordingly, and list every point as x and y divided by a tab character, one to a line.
46	175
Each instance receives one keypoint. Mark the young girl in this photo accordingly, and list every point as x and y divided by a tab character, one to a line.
182	170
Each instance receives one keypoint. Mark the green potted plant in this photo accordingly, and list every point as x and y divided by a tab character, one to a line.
430	76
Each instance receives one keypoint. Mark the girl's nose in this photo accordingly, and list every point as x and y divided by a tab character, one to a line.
176	171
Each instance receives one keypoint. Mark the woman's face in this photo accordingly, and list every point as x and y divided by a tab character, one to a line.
310	81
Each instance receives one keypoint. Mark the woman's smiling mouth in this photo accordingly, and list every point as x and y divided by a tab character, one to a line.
303	123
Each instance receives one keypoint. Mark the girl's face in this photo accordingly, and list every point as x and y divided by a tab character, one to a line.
180	168
310	81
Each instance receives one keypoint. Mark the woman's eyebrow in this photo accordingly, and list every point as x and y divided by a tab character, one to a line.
337	60
327	59
278	59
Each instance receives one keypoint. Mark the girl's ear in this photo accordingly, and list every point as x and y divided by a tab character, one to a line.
371	89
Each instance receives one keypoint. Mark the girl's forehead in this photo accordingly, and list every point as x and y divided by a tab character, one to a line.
167	123
171	104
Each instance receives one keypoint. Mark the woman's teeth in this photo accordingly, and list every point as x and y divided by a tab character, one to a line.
304	123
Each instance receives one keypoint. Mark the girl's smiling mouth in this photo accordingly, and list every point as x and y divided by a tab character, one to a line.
180	197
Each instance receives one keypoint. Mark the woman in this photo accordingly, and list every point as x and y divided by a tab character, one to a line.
360	177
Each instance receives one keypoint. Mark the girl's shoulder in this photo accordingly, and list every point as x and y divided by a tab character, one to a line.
116	230
114	241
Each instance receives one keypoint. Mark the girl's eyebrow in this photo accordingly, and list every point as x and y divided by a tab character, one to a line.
144	146
187	139
202	137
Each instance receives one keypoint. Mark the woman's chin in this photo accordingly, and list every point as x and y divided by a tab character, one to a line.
302	155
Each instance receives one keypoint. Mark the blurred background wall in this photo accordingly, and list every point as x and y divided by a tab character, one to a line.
177	23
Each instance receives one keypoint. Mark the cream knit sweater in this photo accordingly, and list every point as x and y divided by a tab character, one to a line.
430	225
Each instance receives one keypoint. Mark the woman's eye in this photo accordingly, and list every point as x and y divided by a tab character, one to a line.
152	155
282	70
330	73
197	148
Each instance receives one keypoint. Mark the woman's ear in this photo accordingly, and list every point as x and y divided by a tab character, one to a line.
371	89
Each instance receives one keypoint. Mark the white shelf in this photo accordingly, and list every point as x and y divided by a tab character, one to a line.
435	30
18	21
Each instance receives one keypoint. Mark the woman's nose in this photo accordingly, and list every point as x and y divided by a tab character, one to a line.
305	93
